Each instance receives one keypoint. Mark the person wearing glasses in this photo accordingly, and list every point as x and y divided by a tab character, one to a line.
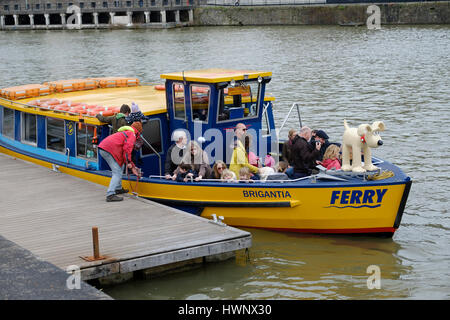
218	168
239	158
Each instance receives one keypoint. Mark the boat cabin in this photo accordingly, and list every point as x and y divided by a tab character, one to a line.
61	127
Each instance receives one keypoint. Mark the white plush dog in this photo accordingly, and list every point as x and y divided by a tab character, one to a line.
362	138
264	172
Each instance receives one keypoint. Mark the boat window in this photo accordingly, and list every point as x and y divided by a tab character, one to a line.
8	123
29	128
200	97
55	134
151	131
239	101
178	101
85	136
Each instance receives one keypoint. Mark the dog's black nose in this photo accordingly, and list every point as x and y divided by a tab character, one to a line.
380	142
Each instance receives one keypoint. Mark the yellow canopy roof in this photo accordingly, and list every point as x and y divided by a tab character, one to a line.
149	100
215	75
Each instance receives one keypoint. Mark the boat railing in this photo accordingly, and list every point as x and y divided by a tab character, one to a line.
323	174
294	105
238	181
155	152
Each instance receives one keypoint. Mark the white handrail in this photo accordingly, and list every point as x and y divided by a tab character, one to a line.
237	181
295	104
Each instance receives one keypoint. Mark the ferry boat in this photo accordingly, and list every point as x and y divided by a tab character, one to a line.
54	125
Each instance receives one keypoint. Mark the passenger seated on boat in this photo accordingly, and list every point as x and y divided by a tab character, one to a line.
281	172
228	176
286	153
245	175
185	173
175	153
321	136
304	154
217	170
331	158
269	161
118	120
136	115
198	159
239	157
253	159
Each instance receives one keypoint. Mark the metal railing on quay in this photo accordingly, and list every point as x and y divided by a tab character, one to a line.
260	2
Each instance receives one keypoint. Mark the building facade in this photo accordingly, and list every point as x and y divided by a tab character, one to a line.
81	14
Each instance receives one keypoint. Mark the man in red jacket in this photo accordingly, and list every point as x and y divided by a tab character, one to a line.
116	150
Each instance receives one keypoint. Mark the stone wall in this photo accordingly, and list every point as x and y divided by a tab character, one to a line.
391	13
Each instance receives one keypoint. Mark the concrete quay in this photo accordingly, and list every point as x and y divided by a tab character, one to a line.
391	13
24	276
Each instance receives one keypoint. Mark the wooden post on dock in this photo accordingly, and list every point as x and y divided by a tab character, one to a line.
95	243
96	247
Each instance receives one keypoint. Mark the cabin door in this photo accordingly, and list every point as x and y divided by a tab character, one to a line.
198	100
190	107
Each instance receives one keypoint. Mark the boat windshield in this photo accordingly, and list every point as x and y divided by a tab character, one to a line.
239	100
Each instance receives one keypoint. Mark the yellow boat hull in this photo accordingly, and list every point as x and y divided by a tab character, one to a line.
302	209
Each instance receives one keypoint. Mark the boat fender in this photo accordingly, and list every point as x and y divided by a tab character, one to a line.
94	137
381	176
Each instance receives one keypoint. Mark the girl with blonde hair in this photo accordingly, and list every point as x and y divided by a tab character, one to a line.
331	158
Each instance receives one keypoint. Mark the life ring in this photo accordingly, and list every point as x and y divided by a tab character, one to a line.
61	108
160	87
179	88
53	102
92	112
107	113
200	89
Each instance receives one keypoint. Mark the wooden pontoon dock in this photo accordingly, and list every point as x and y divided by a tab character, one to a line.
52	214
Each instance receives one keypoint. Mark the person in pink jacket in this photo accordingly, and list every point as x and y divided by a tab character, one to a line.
116	150
331	158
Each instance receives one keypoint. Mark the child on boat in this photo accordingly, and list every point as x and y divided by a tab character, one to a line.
228	176
136	115
245	175
331	158
185	173
118	120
